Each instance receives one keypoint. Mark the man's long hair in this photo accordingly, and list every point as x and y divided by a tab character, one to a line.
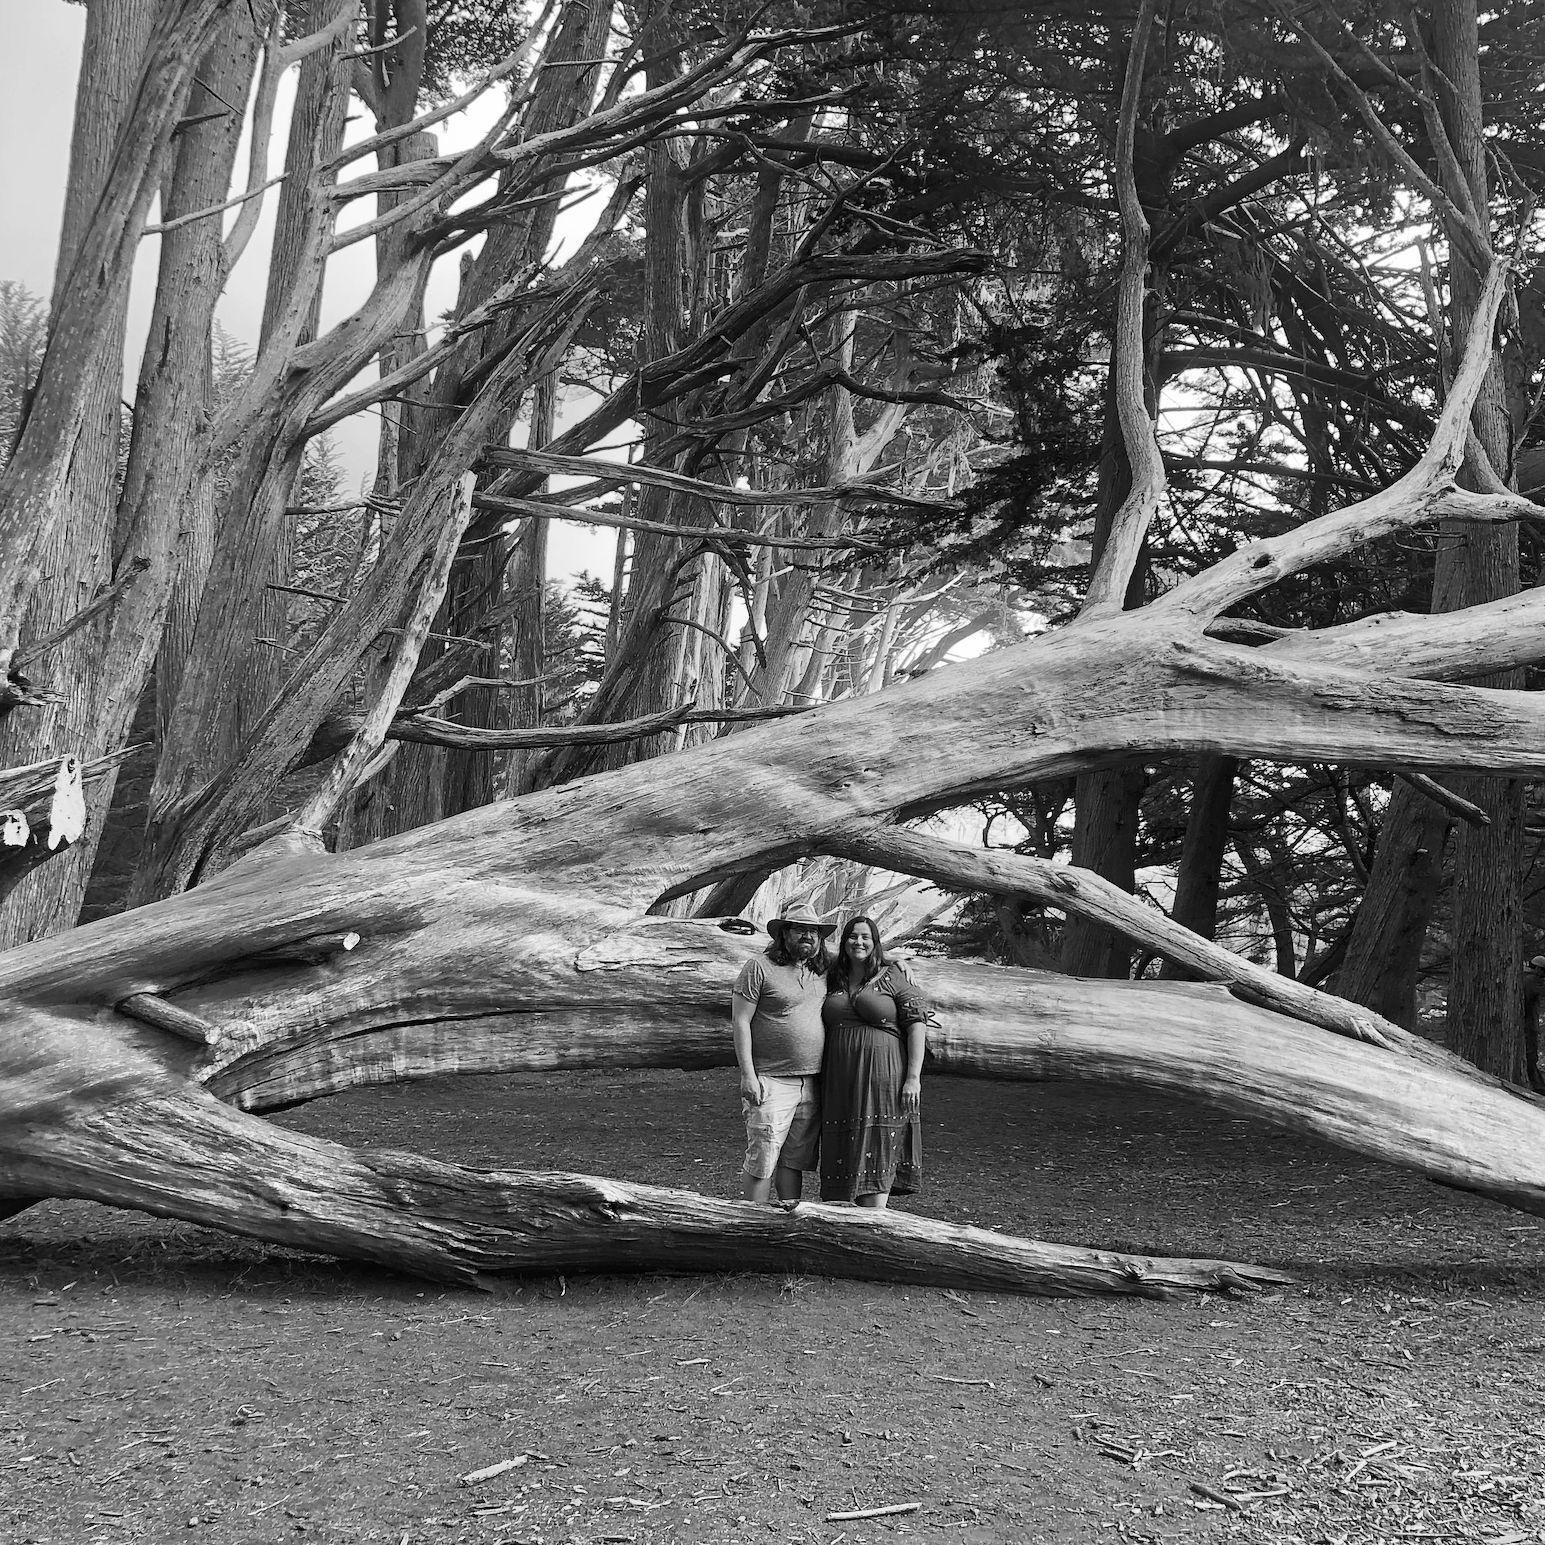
837	974
820	961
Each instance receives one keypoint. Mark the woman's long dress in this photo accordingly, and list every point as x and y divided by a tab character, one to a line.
868	1143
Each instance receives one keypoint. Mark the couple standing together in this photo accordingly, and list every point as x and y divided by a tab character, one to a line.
831	1060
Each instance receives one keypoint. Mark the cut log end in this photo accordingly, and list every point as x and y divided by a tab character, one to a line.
149	1009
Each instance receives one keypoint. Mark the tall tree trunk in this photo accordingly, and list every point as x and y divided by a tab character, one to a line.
1201	853
1384	950
655	573
1105	840
1107	802
1265	873
78	554
1485	1002
1473	565
235	660
166	509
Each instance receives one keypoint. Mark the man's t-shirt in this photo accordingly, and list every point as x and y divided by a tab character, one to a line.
787	1037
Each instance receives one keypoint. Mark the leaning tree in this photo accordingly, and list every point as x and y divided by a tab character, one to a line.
139	1053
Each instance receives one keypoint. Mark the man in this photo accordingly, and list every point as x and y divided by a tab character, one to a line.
776	1014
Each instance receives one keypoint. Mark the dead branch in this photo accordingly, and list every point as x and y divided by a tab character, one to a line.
1085	894
1444	798
427	593
611	474
420	728
214	209
1443	646
87	613
722	536
155	1011
22	785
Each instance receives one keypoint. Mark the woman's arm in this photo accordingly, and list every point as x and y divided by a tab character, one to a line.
912	1084
912	1017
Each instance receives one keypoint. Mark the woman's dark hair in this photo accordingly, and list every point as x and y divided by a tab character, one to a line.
837	977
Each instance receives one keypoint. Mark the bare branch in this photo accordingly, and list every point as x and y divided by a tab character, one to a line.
1423	494
1108	583
421	364
346	771
722	536
1086	894
214	209
277	59
419	728
1445	646
611	474
87	613
1445	799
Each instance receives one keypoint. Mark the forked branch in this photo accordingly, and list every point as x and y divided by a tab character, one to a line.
1424	494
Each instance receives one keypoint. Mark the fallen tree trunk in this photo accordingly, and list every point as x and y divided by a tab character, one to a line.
544	980
653	993
187	1156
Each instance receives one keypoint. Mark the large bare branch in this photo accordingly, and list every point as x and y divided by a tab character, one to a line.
1426	493
1086	894
1441	646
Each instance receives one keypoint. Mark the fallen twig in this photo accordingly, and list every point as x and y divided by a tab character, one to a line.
477	1477
1221	1497
874	1512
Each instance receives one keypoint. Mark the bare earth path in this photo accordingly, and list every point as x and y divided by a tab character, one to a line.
158	1382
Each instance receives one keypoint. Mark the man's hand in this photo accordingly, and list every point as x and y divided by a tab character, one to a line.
751	1088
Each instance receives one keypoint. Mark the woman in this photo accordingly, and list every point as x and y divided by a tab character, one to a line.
871	1074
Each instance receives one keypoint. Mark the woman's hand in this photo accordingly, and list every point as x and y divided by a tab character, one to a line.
912	1095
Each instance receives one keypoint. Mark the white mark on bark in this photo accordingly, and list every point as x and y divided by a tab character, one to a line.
67	812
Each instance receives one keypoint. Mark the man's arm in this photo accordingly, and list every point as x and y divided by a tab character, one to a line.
740	1017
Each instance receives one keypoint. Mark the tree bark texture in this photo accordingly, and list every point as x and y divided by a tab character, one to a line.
1202	850
1384	950
77	546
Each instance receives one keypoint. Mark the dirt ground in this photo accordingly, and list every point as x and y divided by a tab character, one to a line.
159	1382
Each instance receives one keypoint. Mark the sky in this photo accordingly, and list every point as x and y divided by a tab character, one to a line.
40	46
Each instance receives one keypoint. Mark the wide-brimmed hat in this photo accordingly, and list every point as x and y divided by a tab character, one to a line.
801	917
